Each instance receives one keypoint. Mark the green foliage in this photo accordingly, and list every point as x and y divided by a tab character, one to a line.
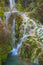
31	47
32	6
17	26
2	9
1	14
0	60
17	30
19	7
37	11
2	4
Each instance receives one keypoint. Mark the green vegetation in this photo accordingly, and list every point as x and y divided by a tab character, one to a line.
1	14
2	9
31	48
17	26
19	7
33	6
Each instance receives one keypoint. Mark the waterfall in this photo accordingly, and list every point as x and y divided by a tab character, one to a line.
6	25
15	50
13	33
25	21
12	3
6	14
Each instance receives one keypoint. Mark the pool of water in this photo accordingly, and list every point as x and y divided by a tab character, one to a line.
15	60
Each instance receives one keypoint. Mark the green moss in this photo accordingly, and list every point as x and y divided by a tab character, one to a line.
3	57
19	7
2	14
2	4
32	6
0	63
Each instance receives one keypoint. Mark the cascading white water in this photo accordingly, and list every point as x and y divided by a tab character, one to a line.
6	25
26	23
12	3
7	16
25	20
13	33
15	50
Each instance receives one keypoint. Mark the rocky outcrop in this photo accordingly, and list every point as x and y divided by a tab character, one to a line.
5	42
18	19
30	49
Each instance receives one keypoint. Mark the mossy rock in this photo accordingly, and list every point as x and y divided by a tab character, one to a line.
30	49
18	23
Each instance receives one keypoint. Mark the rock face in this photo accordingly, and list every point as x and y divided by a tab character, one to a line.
30	49
18	23
5	42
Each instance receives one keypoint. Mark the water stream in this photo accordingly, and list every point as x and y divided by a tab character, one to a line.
15	60
12	3
26	19
15	50
13	33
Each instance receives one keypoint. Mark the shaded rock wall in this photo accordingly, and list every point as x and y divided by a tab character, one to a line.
5	42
